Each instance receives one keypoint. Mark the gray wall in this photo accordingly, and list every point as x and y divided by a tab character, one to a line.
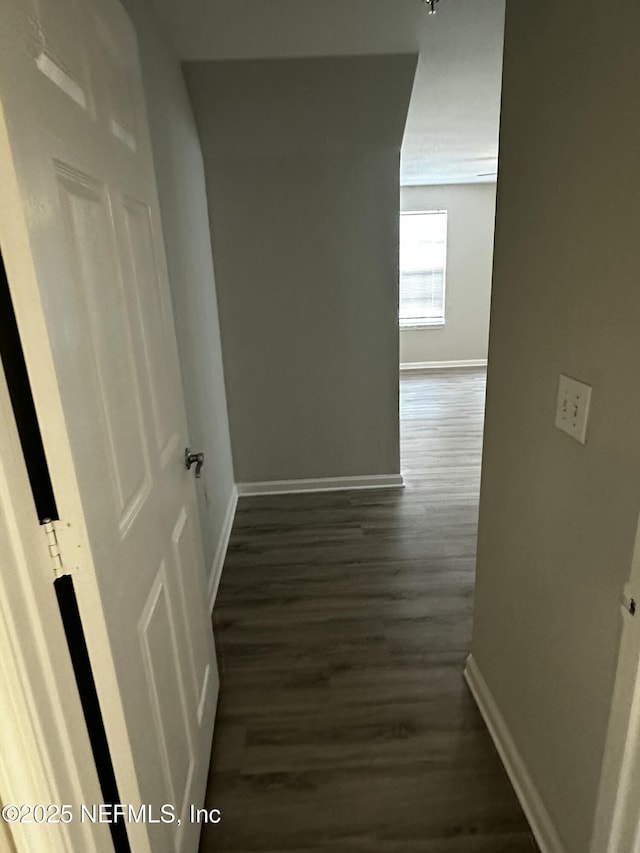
557	519
183	206
470	222
302	164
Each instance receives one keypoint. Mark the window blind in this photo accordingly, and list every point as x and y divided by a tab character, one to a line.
423	254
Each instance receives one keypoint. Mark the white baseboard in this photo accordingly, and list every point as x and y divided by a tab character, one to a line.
442	365
326	484
221	551
532	805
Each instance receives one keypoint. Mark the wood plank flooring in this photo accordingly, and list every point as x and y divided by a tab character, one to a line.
342	626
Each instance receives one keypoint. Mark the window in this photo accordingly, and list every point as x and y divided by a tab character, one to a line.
423	255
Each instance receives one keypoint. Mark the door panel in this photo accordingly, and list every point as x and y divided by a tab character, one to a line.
96	276
84	240
120	104
58	53
154	324
165	686
195	644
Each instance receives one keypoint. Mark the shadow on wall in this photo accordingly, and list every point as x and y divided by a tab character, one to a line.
302	165
183	205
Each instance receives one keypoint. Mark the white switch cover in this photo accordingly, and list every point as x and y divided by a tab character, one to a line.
572	409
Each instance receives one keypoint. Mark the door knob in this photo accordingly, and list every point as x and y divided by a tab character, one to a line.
196	459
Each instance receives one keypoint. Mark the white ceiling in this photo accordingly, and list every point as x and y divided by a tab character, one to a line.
452	129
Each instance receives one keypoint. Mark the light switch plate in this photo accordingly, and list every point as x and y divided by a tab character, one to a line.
572	408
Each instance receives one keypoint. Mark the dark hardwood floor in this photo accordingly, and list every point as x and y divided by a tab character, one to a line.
342	626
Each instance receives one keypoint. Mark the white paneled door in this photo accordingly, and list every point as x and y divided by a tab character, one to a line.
82	242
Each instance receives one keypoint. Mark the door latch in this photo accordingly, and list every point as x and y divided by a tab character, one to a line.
196	459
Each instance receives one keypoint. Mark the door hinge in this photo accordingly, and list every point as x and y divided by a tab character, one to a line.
54	548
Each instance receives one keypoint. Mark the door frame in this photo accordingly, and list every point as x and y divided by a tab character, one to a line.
617	805
72	530
45	754
28	772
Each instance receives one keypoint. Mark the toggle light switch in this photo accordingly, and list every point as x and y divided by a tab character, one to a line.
572	409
